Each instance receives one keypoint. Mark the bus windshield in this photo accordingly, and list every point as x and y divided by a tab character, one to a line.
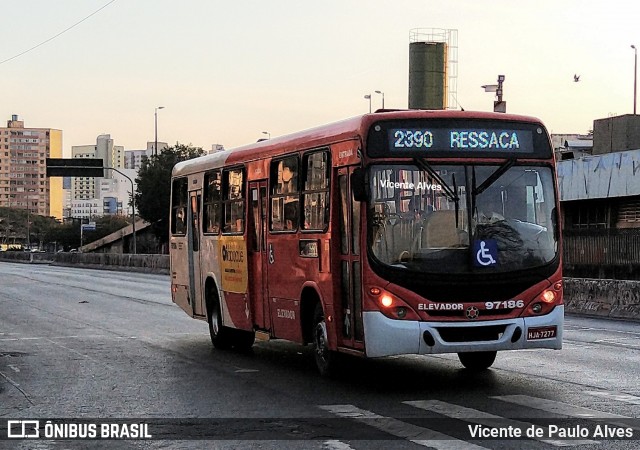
462	218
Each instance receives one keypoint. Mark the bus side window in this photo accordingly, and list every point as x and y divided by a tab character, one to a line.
285	197
315	193
233	201
212	197
178	206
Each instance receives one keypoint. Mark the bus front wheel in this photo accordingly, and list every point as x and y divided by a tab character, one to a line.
325	358
220	335
243	340
477	360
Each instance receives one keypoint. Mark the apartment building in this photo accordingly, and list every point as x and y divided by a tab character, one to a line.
133	158
87	188
23	180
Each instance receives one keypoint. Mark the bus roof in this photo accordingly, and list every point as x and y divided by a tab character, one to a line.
352	128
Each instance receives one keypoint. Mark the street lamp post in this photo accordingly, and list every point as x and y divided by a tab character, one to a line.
133	208
155	148
267	133
635	77
381	93
368	97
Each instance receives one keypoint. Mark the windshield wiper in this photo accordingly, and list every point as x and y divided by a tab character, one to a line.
493	177
450	193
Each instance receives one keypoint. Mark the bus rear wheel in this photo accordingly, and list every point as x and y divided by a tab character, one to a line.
325	358
477	360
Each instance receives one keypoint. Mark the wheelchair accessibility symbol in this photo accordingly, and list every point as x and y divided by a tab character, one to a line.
486	252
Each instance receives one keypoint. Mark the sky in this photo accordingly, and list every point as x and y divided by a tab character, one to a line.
227	71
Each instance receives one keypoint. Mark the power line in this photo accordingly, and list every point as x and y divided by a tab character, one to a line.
59	34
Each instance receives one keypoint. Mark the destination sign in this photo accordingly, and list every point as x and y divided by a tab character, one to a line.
429	139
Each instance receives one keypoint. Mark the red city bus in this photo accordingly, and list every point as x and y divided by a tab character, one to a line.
397	232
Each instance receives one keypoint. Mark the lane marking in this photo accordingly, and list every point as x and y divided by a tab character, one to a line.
486	419
619	396
77	352
576	344
336	445
608	330
92	336
564	409
14	368
413	433
555	407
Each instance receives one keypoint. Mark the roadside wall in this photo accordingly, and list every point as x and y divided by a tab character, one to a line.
616	299
110	261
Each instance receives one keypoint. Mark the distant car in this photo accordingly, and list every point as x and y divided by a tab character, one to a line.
73	250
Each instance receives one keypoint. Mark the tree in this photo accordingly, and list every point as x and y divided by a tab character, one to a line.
153	191
13	226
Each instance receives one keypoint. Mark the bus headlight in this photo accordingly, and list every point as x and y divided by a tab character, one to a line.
391	306
386	300
548	296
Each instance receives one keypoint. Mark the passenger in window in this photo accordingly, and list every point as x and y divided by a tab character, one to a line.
289	175
290	184
290	213
180	228
489	209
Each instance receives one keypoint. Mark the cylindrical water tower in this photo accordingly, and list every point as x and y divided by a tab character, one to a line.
432	68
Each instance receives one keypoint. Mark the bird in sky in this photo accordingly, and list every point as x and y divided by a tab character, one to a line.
576	78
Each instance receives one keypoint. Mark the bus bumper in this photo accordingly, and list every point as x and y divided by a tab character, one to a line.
386	337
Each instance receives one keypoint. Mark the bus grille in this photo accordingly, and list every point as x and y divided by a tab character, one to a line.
471	334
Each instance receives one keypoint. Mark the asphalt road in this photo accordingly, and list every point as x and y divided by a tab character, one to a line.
103	345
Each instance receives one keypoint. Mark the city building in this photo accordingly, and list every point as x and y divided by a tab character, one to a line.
85	188
600	203
115	192
133	158
97	196
23	180
216	148
570	146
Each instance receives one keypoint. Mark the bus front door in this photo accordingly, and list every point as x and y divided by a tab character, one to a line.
350	317
193	247
257	251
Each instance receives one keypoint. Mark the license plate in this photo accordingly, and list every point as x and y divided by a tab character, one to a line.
541	333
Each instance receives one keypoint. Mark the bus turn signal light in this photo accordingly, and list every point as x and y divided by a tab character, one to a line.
548	296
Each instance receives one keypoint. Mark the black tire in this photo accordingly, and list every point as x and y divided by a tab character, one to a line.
220	335
325	358
243	340
477	361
